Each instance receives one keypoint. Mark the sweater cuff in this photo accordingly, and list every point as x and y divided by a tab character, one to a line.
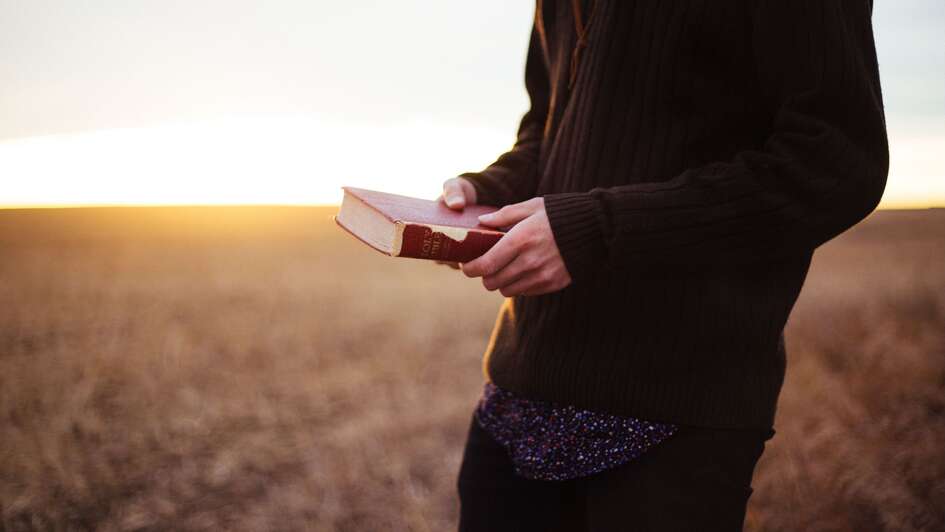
575	220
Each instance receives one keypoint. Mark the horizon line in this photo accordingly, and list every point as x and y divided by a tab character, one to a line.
892	206
50	206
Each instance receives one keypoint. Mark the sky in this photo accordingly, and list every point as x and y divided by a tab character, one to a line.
284	101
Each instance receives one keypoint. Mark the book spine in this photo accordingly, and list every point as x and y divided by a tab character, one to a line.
422	242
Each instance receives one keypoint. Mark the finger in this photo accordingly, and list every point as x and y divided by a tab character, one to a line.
469	191
453	194
521	265
454	265
495	259
531	283
549	278
509	215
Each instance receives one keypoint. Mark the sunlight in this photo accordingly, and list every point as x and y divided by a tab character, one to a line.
258	160
303	160
916	171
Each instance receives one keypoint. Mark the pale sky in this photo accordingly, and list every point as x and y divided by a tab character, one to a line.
284	101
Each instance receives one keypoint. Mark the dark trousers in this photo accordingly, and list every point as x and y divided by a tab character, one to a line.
698	479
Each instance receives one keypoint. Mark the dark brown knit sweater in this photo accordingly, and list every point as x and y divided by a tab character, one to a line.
705	149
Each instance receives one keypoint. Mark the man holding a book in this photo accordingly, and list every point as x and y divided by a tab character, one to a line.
678	166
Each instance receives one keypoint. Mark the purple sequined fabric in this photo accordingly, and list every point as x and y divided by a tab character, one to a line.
552	442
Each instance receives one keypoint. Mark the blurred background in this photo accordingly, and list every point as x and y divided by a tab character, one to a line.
165	364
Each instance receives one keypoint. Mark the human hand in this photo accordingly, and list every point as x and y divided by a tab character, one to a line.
457	193
525	261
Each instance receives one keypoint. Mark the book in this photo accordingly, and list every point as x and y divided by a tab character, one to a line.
401	226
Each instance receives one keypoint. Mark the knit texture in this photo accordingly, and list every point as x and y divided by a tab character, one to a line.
704	150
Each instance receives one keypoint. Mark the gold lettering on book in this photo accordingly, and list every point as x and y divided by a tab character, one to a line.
434	244
427	241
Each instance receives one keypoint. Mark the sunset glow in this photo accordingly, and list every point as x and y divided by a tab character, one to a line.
261	160
217	102
305	160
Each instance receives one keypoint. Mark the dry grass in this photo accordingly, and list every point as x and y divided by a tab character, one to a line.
253	369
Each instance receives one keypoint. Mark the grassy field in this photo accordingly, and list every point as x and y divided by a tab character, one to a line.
257	369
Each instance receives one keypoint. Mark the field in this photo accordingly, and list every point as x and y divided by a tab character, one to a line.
257	369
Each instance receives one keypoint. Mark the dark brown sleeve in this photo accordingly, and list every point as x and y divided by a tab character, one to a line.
822	169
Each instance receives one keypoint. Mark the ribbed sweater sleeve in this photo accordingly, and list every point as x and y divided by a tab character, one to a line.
513	177
822	169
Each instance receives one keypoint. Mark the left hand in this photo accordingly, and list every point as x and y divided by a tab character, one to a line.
526	261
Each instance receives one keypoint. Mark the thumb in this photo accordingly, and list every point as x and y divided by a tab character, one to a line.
508	215
453	195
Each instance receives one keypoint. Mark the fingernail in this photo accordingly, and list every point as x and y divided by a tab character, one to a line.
453	200
485	216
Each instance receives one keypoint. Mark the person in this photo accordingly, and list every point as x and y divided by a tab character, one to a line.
678	165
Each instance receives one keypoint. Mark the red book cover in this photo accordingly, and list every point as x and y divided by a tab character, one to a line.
419	228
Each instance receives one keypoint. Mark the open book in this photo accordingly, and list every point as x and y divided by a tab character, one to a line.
401	226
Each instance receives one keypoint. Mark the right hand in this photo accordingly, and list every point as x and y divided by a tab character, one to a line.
457	194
